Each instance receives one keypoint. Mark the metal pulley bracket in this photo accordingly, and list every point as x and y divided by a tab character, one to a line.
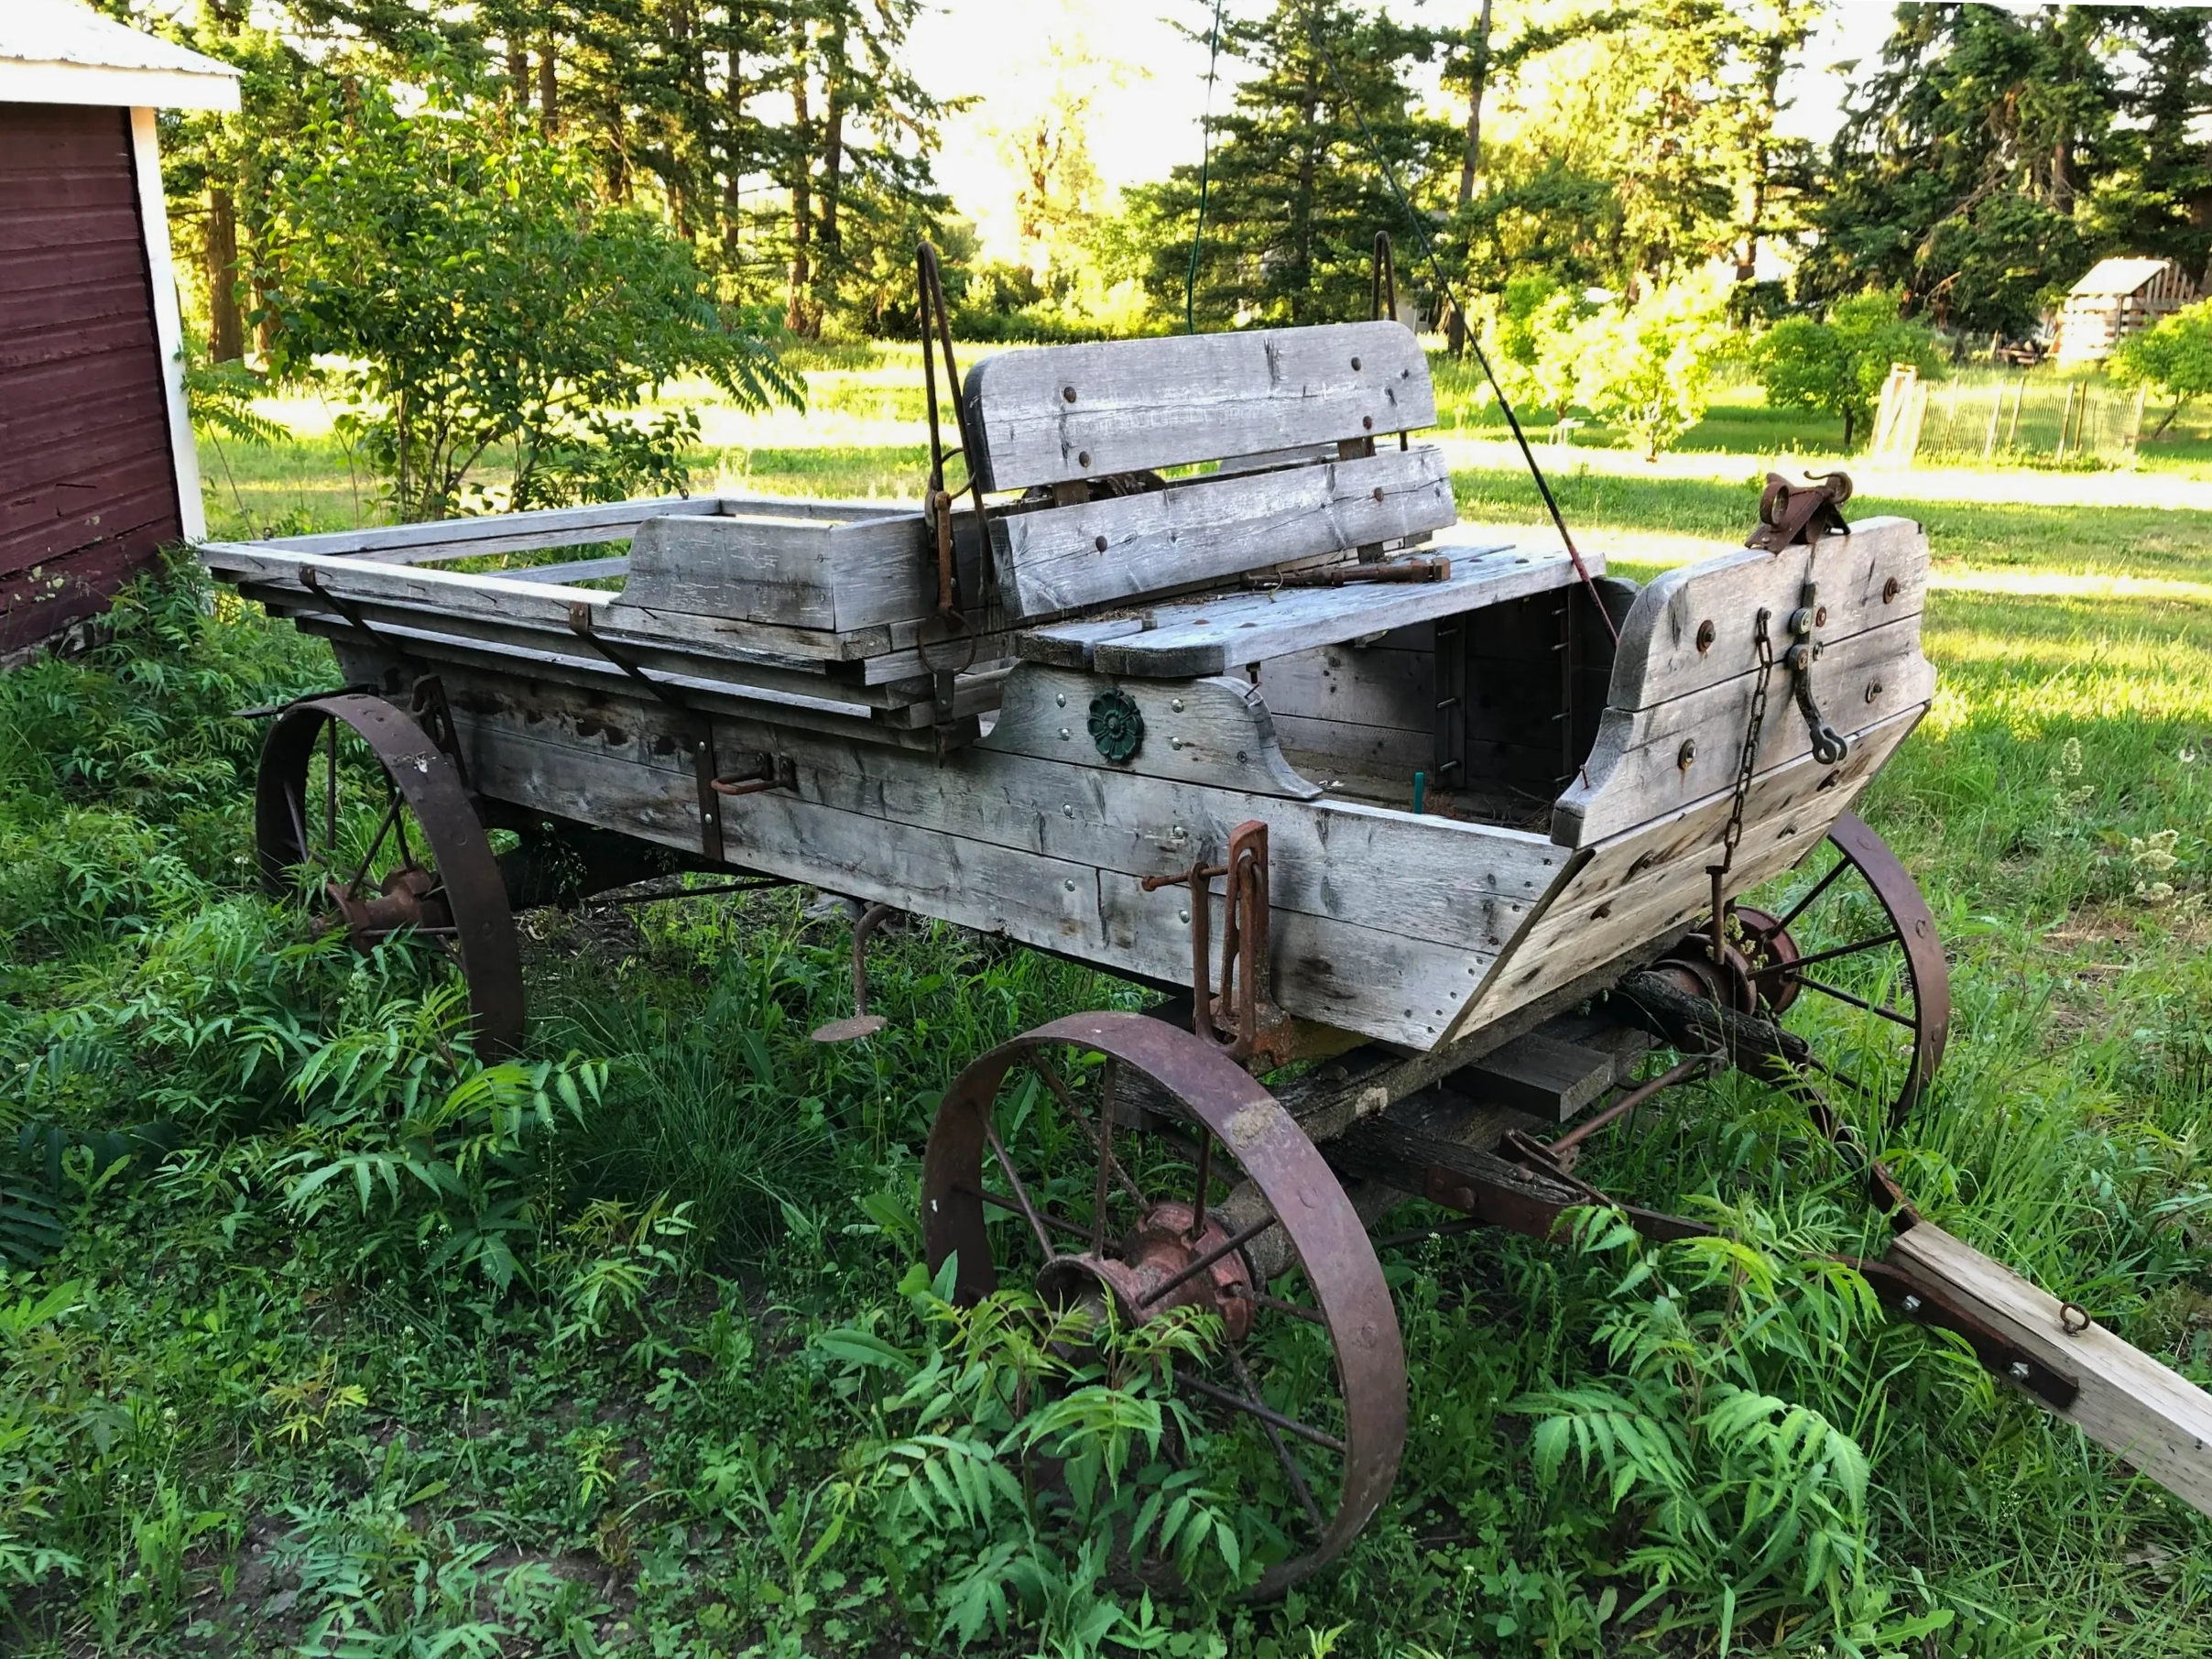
1790	513
1829	746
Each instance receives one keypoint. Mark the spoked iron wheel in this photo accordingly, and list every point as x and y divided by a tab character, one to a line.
357	810
1234	1213
1847	957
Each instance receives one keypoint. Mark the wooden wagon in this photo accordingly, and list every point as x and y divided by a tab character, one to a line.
1205	686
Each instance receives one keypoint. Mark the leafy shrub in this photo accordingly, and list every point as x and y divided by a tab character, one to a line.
2173	358
1651	365
1837	364
465	265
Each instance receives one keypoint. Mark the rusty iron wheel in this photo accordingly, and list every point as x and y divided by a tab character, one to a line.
1847	957
1237	1214
386	841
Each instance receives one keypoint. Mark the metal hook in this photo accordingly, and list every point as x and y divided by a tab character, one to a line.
861	1023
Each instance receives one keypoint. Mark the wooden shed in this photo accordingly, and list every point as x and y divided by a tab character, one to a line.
97	470
2117	297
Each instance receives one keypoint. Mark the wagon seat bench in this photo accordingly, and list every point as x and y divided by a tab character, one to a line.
1212	693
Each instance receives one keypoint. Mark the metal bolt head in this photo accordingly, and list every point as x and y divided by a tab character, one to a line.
1082	459
1873	690
1183	915
1099	542
1069	884
1368	421
1066	733
1177	705
1707	634
1068	392
1687	753
1174	742
1355	365
1067	809
2018	1370
1890	590
1062	700
1912	1305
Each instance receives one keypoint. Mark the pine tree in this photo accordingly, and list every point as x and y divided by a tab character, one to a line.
1294	192
1960	175
2159	197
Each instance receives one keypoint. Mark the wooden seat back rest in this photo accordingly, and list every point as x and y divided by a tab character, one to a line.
1308	402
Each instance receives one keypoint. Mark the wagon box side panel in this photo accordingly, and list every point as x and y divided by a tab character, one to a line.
1650	881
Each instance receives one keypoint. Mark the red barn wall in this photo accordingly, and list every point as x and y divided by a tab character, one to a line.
88	483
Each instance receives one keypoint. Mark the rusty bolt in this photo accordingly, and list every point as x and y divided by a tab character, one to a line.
1368	421
1355	364
1873	690
1707	634
1068	392
1378	492
1888	590
1083	459
1687	753
1820	616
1100	544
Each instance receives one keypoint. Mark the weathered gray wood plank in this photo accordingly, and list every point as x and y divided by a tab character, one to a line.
2156	1419
1651	761
1212	636
1645	881
1214	730
507	532
1660	656
1155	403
786	570
1066	559
1390	988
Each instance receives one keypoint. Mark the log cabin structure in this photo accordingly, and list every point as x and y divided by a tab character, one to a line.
97	470
2115	298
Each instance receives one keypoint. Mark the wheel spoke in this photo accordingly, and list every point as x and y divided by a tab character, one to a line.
1075	1228
1021	1193
391	816
1827	956
1290	1464
1275	1304
1841	994
1234	1242
1304	1431
1066	1097
1819	887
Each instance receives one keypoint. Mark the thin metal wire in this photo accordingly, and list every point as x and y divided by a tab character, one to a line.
1205	168
1420	233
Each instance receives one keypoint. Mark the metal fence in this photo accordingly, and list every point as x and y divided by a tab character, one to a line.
2037	417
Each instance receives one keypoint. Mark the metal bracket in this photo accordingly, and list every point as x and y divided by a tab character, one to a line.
1829	746
312	579
434	715
1241	1018
762	772
1803	512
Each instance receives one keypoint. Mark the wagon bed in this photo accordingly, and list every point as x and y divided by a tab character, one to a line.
1216	695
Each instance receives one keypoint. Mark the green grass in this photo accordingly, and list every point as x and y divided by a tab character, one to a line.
622	1360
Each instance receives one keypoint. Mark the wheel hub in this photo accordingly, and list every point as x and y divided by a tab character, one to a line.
1150	1271
405	899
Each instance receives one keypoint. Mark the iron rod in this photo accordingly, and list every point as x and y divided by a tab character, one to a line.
1207	1260
1021	1193
1264	1413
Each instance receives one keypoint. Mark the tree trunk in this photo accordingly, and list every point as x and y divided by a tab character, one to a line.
519	73
827	241
732	185
798	310
549	91
227	327
1472	159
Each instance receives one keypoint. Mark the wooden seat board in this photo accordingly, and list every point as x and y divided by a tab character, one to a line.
1098	552
1054	414
1215	635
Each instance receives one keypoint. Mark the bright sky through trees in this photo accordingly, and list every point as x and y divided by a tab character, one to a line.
1150	81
